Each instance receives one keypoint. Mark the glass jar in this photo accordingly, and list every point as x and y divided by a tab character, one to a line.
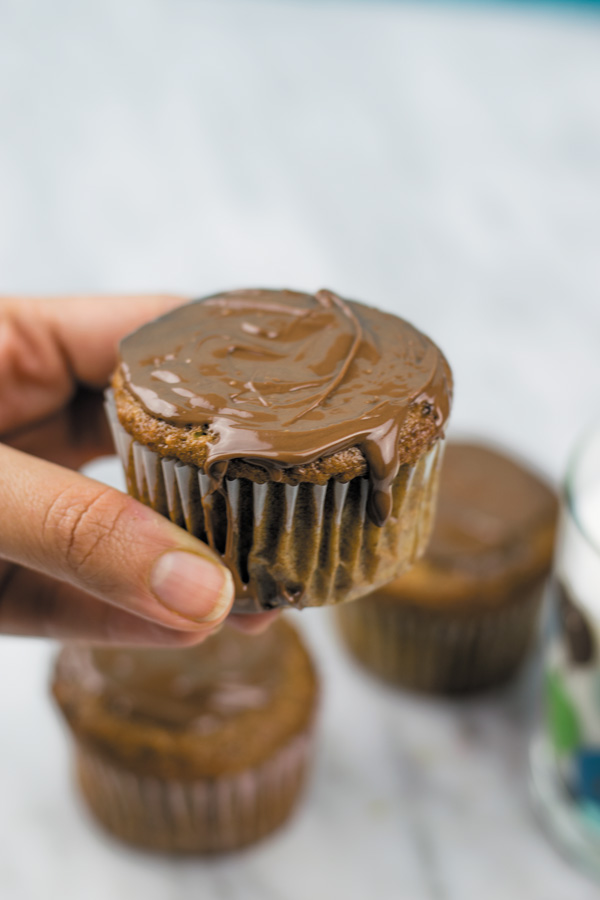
565	754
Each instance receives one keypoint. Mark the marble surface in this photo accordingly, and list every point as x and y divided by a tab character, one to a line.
442	162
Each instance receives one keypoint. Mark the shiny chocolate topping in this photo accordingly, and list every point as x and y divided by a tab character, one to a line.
281	378
196	688
488	505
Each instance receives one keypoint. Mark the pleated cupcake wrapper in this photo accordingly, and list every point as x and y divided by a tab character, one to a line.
434	651
207	815
291	545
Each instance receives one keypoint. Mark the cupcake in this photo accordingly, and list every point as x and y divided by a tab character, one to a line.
464	616
191	751
300	436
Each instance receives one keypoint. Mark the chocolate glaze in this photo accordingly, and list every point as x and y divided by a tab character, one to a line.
281	378
196	688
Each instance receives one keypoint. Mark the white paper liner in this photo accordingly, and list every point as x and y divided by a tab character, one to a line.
206	815
291	545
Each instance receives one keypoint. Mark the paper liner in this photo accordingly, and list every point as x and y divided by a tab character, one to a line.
206	815
438	652
302	545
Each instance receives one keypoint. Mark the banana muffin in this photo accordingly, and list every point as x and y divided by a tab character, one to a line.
299	435
197	750
465	615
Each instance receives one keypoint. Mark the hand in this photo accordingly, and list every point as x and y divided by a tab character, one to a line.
79	560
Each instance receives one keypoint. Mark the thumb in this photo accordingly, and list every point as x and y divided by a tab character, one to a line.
102	541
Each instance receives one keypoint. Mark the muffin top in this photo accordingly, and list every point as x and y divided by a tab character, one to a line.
494	531
217	708
289	384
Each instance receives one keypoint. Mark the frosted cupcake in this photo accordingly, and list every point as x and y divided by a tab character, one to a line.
299	435
191	751
464	617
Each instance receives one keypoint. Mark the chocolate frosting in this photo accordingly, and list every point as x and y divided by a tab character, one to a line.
197	688
281	378
488	508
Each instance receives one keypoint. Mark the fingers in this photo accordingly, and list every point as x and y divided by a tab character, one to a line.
103	544
106	544
33	605
48	345
88	329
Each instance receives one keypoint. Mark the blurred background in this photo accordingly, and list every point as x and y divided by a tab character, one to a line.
438	160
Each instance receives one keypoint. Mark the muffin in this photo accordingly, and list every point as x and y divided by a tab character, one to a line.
464	616
300	436
191	751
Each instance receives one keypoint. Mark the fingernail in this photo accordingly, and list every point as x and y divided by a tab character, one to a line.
191	586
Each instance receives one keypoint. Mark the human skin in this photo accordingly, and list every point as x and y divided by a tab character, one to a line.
80	560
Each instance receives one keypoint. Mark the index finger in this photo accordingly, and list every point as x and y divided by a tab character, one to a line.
48	345
88	329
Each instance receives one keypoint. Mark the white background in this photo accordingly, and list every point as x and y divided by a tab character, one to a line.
441	162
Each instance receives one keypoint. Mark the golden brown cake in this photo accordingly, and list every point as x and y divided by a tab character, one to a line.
464	616
191	751
299	435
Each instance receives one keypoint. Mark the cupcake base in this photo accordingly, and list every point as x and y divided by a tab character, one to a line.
203	816
437	651
289	545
